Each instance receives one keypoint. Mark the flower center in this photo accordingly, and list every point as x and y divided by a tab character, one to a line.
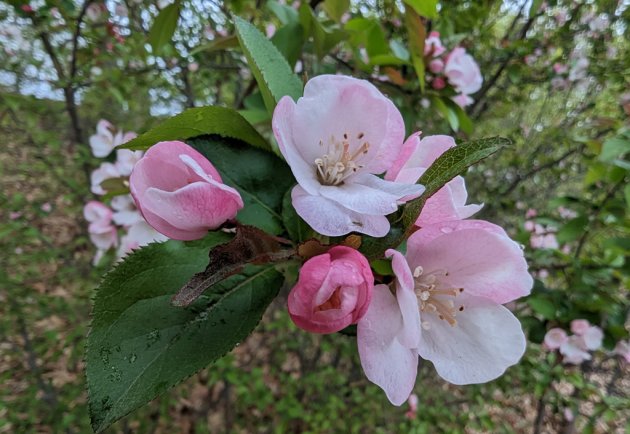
434	299
338	163
332	303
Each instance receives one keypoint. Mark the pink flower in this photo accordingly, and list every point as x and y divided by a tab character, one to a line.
433	45
193	67
573	351
332	292
447	308
98	215
463	100
336	137
102	233
105	171
104	141
46	207
180	193
463	72
579	326
623	349
14	215
139	234
555	338
449	203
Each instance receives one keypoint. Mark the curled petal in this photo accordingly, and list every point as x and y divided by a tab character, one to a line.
385	361
330	218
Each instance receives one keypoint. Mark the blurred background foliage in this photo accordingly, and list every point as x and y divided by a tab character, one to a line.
556	81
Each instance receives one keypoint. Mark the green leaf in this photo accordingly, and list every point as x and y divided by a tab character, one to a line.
324	39
534	7
382	267
417	32
289	39
164	27
626	193
286	14
139	345
614	147
336	8
298	230
260	177
272	72
542	306
368	32
447	112
217	44
465	123
425	8
572	230
200	121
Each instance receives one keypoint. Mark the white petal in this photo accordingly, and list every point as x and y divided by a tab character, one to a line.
485	342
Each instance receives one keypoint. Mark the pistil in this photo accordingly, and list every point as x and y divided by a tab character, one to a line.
436	300
337	164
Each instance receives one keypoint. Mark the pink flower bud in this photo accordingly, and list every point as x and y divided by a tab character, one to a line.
436	66
180	193
438	83
333	291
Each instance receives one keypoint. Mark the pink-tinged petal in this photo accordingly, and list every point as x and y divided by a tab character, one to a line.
385	361
95	211
127	218
411	331
408	149
429	149
197	207
429	233
105	171
170	152
361	199
554	338
485	342
593	338
484	263
101	146
448	203
106	239
331	219
303	169
580	326
104	128
457	187
574	351
335	105
403	191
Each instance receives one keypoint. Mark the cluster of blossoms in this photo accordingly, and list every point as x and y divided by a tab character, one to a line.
444	299
575	348
118	225
456	68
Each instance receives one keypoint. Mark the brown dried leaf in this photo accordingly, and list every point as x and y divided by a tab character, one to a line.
249	246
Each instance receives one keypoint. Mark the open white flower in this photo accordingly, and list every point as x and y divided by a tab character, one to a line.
336	138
